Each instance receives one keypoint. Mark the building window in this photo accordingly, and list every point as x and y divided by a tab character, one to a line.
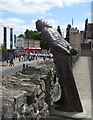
11	34
5	36
11	38
11	46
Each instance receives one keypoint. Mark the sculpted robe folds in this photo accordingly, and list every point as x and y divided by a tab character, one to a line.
61	50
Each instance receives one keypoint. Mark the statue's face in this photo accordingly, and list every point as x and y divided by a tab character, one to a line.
40	25
38	28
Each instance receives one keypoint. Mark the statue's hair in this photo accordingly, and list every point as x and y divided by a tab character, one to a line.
42	23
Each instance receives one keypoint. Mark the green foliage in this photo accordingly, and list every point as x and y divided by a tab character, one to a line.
30	34
4	50
35	35
21	35
59	30
44	44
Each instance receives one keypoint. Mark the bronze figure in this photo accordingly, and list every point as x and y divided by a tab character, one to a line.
62	52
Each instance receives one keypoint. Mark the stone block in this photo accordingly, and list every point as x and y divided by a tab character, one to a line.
12	100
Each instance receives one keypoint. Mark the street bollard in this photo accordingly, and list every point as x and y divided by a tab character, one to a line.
23	66
27	65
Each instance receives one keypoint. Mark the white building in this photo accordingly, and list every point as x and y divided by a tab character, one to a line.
7	37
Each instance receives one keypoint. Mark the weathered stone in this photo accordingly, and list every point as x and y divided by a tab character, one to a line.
42	96
55	93
39	82
42	85
20	100
11	101
44	110
36	87
40	105
30	98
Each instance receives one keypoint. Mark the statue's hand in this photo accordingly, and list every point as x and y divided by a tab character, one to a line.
73	51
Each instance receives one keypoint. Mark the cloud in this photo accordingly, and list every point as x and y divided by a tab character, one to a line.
75	1
35	6
29	7
22	28
38	7
20	25
12	21
52	22
17	24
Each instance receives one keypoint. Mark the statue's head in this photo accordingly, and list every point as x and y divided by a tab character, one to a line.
41	24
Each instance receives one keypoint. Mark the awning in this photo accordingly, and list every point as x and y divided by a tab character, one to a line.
32	49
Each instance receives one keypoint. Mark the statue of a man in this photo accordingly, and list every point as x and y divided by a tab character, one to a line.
62	52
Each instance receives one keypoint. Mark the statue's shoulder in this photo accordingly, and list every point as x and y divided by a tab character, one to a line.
46	31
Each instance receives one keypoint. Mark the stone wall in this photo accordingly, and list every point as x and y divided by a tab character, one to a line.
76	38
23	100
30	93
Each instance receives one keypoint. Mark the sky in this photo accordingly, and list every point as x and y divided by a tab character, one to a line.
22	14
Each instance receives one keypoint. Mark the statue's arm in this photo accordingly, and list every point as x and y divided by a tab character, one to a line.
54	44
60	48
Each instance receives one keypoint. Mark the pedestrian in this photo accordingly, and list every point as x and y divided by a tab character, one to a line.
19	58
7	60
44	58
36	56
11	62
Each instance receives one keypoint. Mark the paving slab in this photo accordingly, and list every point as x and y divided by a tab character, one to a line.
82	75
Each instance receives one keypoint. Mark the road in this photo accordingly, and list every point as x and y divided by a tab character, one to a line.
13	69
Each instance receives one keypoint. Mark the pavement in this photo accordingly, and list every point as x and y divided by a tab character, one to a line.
82	74
82	71
4	65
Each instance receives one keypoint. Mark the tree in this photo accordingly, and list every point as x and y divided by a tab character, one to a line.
27	34
44	44
21	35
4	52
59	30
35	35
30	34
68	32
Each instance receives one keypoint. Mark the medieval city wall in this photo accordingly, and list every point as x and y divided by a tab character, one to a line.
30	93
